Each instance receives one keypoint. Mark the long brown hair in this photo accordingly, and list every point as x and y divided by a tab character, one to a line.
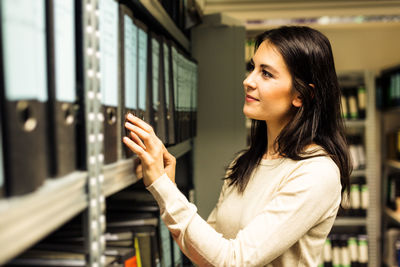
308	55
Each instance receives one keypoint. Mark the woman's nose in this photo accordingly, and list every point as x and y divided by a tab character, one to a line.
249	82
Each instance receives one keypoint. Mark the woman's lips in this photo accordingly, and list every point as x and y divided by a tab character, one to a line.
250	98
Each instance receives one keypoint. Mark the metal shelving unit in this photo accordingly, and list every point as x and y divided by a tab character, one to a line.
391	218
373	172
368	127
24	220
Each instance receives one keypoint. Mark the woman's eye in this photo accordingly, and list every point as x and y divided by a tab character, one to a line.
266	74
250	67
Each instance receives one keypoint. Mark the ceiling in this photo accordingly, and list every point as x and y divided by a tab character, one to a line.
256	14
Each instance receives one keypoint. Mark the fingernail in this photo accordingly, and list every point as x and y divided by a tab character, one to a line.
130	116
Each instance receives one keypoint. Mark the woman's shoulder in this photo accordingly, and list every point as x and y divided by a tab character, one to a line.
317	164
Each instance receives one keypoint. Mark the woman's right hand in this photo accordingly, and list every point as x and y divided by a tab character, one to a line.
169	166
154	157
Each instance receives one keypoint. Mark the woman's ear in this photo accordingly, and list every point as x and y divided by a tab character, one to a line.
297	102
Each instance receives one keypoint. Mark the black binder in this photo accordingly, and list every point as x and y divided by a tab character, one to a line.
81	145
193	102
109	76
62	86
128	67
168	89
144	100
24	94
158	111
183	91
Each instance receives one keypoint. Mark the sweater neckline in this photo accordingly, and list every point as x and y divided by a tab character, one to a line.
271	162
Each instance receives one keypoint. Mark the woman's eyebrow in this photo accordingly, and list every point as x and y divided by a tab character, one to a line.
264	66
269	67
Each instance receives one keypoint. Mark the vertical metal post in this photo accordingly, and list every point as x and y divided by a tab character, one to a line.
373	173
95	219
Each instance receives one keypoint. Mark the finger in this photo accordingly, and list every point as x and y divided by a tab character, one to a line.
143	135
139	171
140	123
137	140
150	140
138	150
167	155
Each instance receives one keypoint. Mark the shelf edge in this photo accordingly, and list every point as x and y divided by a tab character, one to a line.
67	196
159	13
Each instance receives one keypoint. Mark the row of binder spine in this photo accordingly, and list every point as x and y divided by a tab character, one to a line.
42	95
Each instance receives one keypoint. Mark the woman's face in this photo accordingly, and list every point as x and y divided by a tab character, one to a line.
268	88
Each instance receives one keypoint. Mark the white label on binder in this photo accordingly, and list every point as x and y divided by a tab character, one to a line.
155	71
175	75
24	49
166	74
130	43
142	68
108	24
64	27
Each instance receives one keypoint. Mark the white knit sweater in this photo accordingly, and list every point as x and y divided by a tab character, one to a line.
282	218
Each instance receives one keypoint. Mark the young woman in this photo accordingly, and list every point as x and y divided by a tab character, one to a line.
281	195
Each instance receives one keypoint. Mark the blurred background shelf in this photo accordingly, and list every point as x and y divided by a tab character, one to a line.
395	164
394	216
358	172
350	221
26	219
354	123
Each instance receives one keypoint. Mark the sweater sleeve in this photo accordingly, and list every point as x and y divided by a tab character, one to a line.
306	198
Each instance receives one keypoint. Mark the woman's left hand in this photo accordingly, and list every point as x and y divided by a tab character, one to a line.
154	157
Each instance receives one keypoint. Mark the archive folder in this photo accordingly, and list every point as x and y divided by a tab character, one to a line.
108	24
24	94
193	98
157	106
143	77
62	86
168	89
128	67
184	91
182	94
